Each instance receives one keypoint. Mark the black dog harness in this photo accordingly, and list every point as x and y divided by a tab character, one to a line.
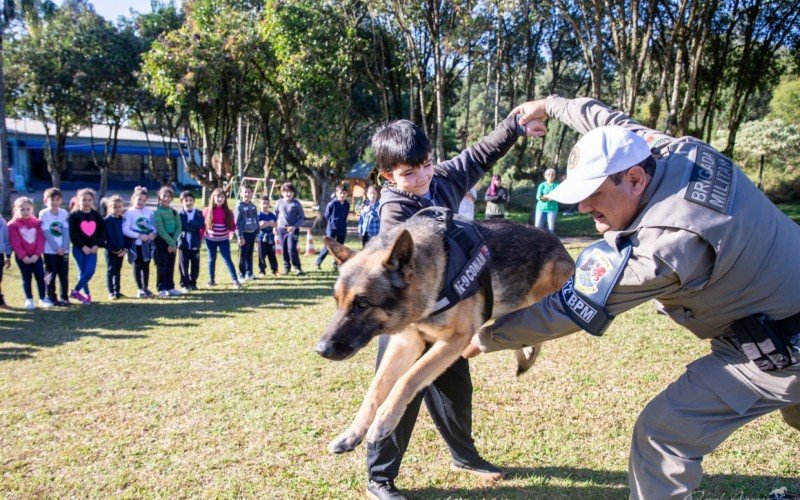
469	261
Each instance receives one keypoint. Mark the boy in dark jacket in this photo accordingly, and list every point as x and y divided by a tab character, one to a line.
336	217
192	225
402	153
117	245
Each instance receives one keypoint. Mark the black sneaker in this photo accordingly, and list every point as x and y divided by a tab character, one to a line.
383	490
483	469
2	300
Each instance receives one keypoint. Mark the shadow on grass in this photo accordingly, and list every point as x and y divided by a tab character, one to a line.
133	318
602	484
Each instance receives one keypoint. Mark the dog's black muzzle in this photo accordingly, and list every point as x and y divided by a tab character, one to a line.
336	351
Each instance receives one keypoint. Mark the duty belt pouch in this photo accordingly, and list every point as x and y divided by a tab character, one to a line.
761	342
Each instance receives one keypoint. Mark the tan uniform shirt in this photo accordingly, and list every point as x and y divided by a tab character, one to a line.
707	245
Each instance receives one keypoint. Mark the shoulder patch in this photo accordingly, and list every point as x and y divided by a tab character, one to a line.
712	180
597	271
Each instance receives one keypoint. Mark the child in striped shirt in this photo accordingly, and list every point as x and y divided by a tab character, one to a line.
290	218
220	223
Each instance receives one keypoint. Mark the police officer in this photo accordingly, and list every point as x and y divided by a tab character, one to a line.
684	226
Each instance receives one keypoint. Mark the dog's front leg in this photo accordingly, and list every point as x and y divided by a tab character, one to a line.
433	363
404	348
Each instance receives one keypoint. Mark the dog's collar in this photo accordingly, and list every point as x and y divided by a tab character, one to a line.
469	262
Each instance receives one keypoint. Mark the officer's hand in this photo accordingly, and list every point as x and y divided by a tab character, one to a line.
471	351
531	110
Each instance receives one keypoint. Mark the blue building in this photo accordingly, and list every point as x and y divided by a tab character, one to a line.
136	152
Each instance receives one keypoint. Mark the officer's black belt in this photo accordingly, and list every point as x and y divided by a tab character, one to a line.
770	344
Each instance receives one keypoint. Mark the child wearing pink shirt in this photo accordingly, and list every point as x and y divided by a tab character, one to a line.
27	242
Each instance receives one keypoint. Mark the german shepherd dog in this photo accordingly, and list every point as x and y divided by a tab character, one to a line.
391	287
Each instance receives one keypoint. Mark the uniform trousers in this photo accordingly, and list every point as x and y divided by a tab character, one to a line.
449	402
717	394
189	266
165	266
57	266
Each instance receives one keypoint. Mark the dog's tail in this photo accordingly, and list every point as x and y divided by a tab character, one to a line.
526	357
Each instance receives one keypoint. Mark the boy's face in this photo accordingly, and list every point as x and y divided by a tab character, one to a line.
247	195
116	208
341	195
287	194
411	179
265	205
188	203
54	202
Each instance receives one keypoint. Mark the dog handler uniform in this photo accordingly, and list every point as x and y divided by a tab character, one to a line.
449	397
711	249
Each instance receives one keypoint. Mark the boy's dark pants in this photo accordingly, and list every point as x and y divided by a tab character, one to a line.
324	252
290	255
113	271
57	266
246	254
189	266
449	401
165	266
267	249
30	271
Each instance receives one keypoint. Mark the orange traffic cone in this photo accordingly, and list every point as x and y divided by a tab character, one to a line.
309	243
278	246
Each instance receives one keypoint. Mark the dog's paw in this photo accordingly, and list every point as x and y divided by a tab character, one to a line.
383	425
347	441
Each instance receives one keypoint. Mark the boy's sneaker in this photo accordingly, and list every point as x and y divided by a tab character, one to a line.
193	287
276	273
482	469
149	293
112	296
299	272
2	301
174	292
62	303
141	294
163	294
119	295
78	296
262	274
319	267
29	304
185	289
211	283
237	284
250	277
383	490
45	303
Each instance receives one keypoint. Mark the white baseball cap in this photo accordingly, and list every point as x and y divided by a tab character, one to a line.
599	153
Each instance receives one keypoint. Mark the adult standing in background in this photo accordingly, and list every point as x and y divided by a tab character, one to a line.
496	199
467	206
545	207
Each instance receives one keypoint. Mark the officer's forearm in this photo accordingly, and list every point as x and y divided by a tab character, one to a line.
540	322
584	114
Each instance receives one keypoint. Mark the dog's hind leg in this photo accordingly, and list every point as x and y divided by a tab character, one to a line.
427	369
404	348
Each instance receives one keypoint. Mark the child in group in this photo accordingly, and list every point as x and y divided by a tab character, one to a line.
139	227
369	220
55	226
267	221
192	227
290	217
496	199
336	217
545	207
220	223
246	232
87	235
5	255
117	245
168	229
27	241
402	154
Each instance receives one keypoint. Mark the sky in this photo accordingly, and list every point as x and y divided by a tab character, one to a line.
112	9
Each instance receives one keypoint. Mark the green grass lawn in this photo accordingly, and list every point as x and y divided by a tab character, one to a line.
219	394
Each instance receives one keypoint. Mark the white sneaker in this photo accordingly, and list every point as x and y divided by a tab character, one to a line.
45	303
29	304
174	292
163	294
141	294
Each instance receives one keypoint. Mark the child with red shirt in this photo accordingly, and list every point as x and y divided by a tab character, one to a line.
27	241
220	224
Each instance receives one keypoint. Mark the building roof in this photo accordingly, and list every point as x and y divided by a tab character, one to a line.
16	126
360	170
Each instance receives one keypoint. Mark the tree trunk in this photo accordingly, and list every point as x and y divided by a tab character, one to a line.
5	166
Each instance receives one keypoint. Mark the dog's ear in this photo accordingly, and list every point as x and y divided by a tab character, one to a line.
400	257
340	252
